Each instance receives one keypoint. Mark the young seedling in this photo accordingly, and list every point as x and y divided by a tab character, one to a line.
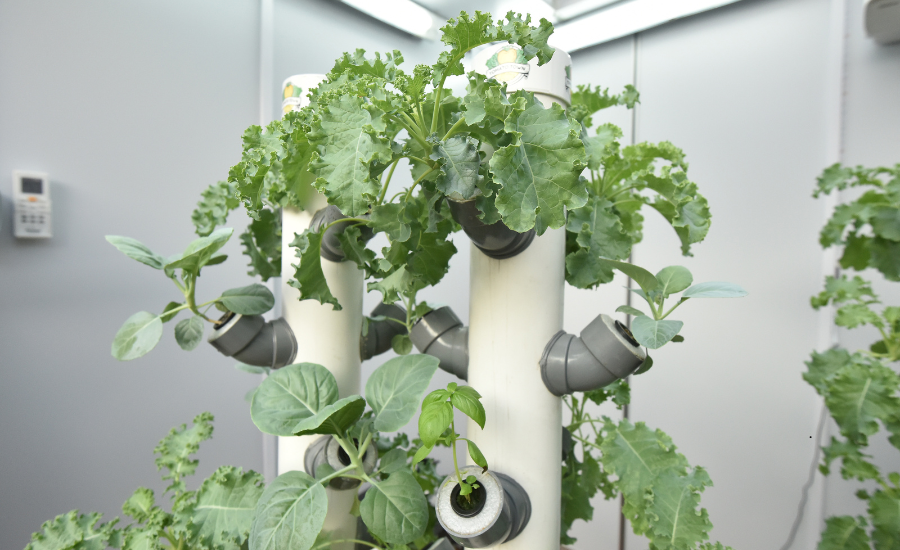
436	424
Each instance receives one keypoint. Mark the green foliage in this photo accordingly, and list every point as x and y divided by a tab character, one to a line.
216	202
290	513
861	389
395	510
262	245
217	516
395	389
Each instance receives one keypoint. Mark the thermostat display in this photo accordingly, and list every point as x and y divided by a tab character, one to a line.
31	195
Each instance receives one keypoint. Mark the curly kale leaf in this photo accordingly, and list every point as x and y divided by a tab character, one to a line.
539	172
216	202
869	227
459	177
594	231
75	531
586	101
262	245
464	33
309	278
175	451
348	141
661	491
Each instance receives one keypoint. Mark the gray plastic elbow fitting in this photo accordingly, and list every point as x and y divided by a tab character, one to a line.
441	334
378	338
331	246
251	340
503	513
495	240
326	450
605	352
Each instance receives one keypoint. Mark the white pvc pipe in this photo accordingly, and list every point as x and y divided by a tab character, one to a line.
329	338
516	306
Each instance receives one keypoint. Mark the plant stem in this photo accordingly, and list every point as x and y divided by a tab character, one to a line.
415	183
387	182
357	541
352	452
342	472
453	444
455	128
335	222
683	300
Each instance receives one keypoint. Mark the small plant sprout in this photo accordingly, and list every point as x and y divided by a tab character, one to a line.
655	330
436	424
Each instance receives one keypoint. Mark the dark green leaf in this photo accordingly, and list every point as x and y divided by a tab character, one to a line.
476	454
859	395
309	278
884	509
844	533
393	461
641	276
262	245
460	160
467	400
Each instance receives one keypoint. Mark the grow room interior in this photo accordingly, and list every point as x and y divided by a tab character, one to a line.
132	109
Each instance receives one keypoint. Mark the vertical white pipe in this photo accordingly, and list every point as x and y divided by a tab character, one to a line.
329	338
516	306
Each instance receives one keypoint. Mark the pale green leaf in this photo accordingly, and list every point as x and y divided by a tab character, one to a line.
198	253
675	521
859	396
467	400
652	333
844	533
72	531
189	332
884	509
290	395
289	514
395	389
175	450
140	334
641	276
393	461
137	251
476	454
631	311
139	504
714	289
254	299
395	510
435	418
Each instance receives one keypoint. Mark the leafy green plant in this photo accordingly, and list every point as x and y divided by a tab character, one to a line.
654	330
215	516
302	399
436	424
861	390
143	330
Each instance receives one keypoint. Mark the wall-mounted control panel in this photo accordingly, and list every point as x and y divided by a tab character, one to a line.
31	200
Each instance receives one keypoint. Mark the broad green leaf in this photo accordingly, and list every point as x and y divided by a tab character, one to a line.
853	461
395	510
175	450
859	396
586	270
140	334
460	160
346	134
137	251
884	509
435	418
139	504
631	311
145	538
680	203
886	257
539	171
165	316
675	521
189	332
844	533
253	299
393	286
72	531
476	454
393	461
395	389
354	248
641	276
600	145
598	233
714	289
467	400
290	513
225	505
854	315
654	334
198	253
673	279
309	278
292	394
841	289
430	259
333	419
